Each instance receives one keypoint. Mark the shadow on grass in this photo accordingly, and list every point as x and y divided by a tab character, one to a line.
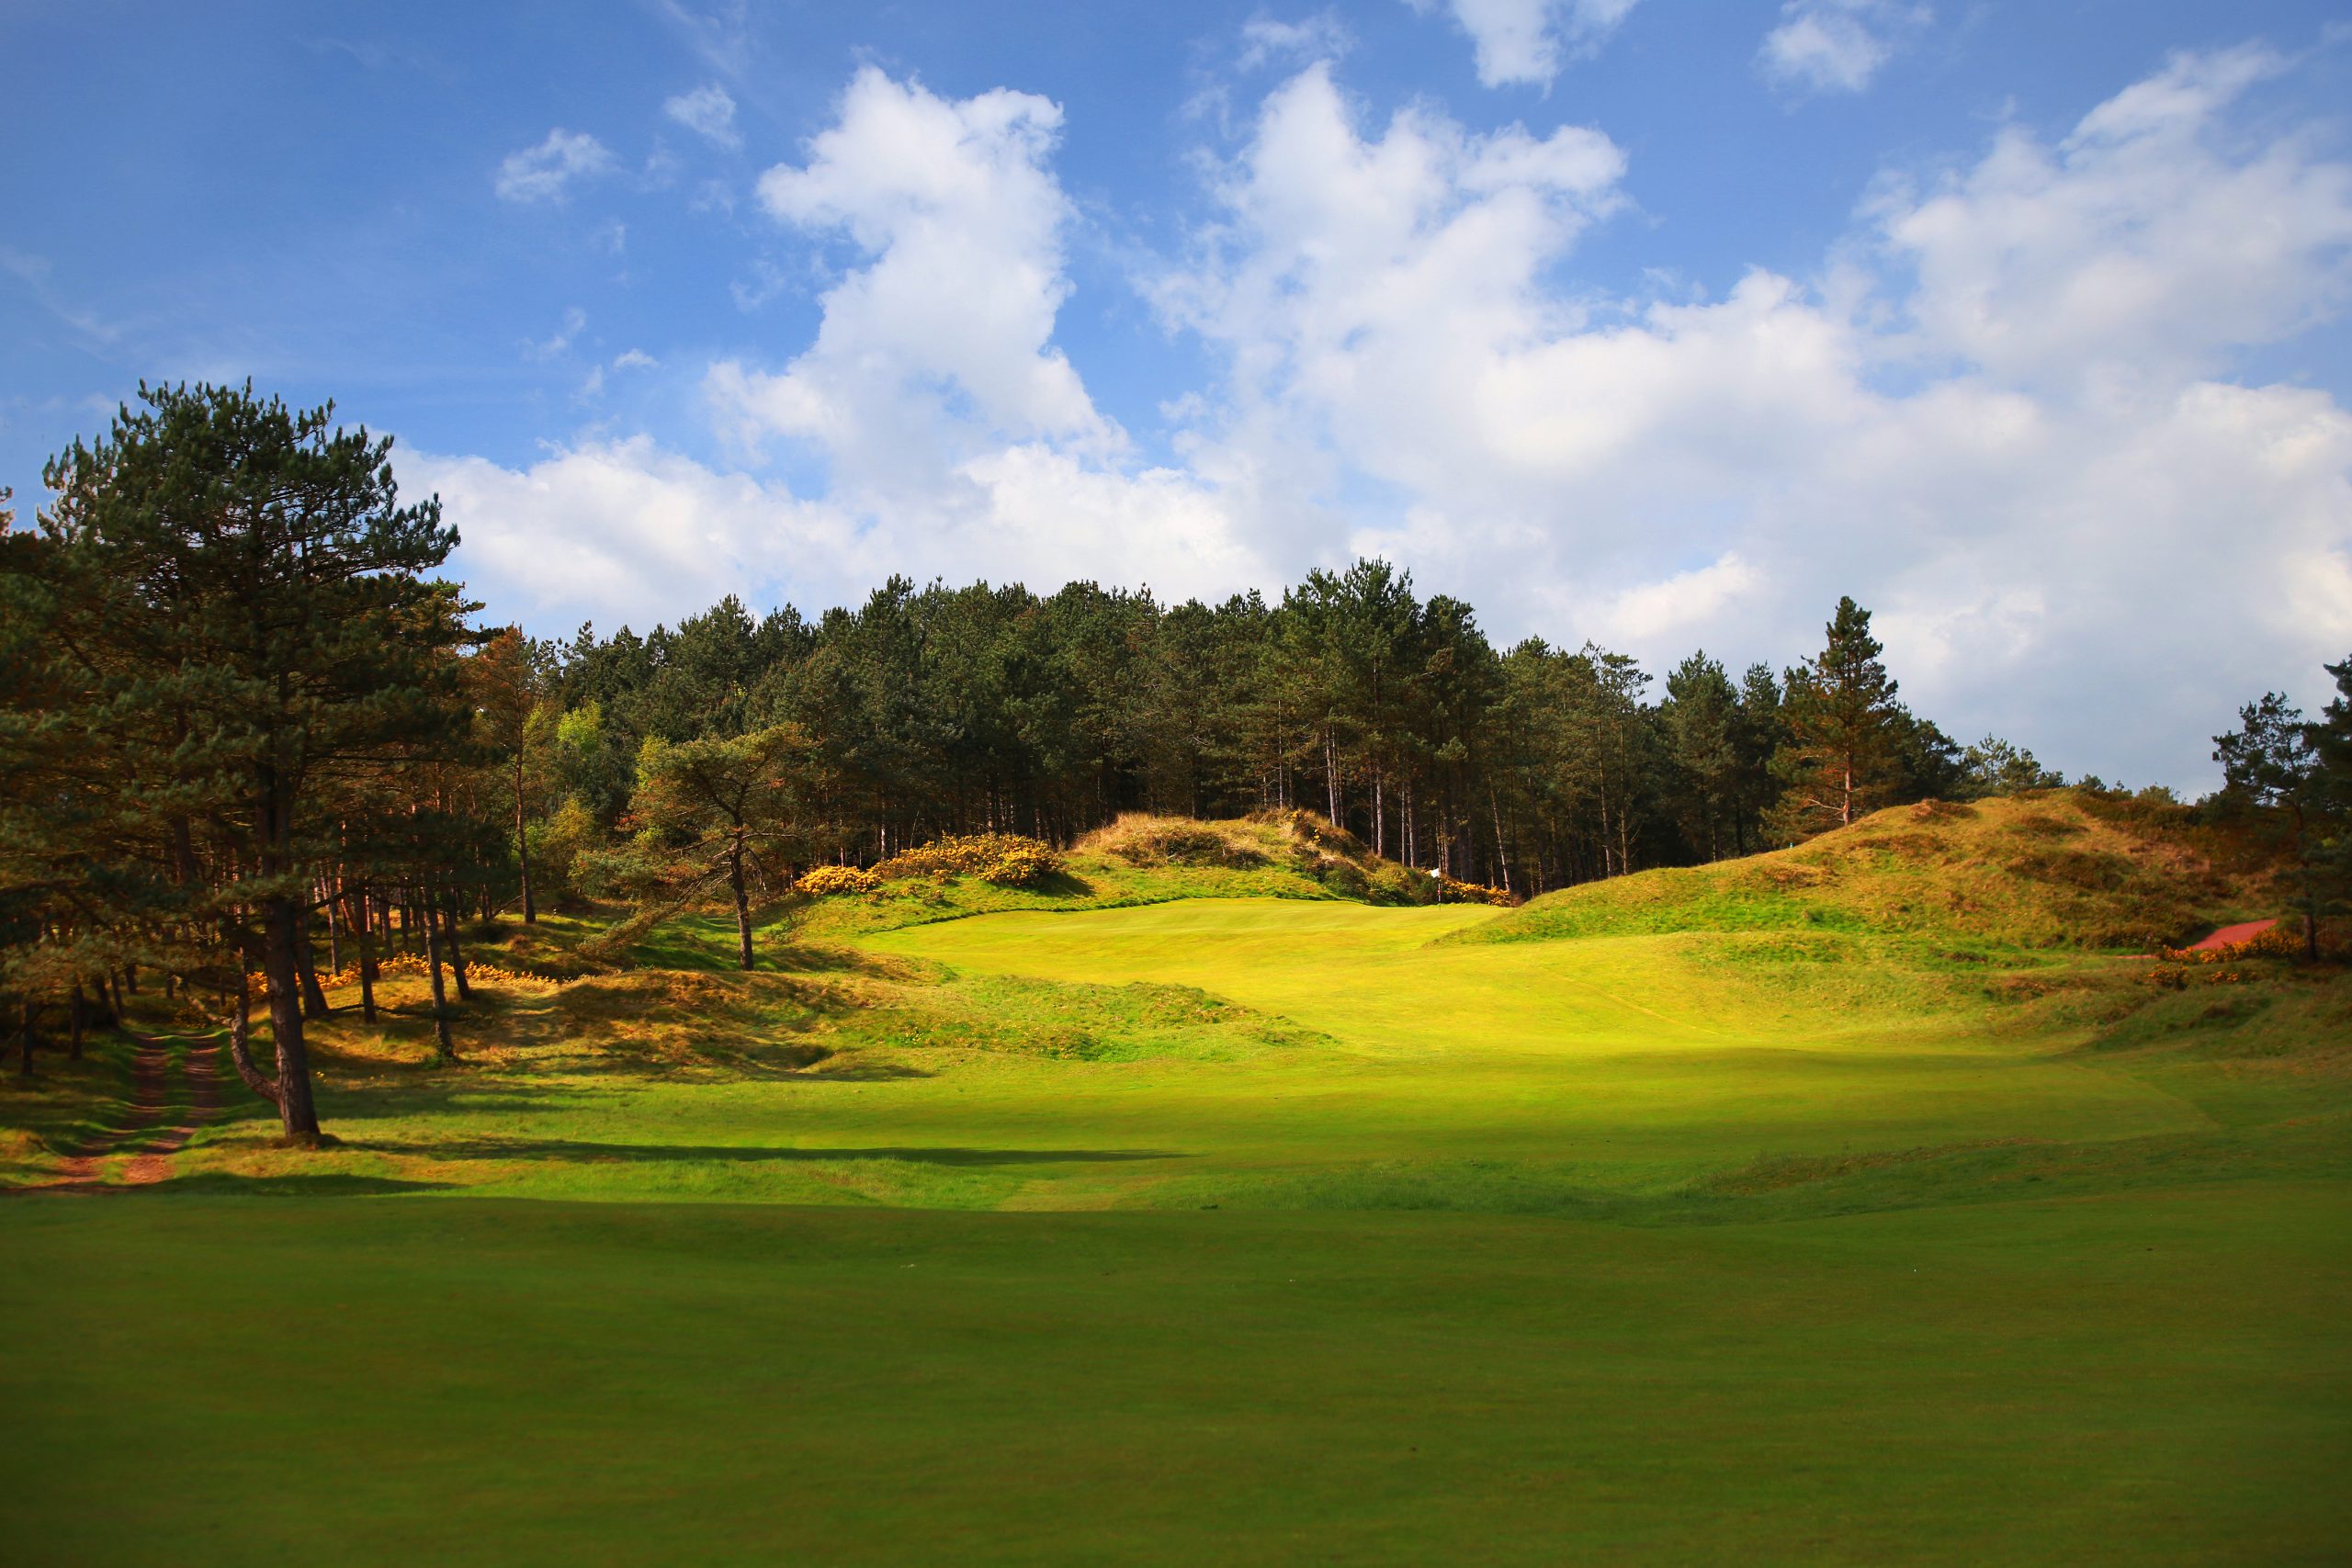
321	1186
567	1151
859	1072
222	1184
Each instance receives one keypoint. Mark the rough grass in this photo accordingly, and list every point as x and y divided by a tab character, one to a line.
2051	869
62	1107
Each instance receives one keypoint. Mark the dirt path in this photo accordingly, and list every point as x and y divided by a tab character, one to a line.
153	1164
2229	936
81	1170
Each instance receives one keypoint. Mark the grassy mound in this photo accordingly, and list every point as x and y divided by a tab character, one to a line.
2048	869
1137	859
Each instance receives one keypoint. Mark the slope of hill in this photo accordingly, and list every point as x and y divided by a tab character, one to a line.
1143	859
2054	868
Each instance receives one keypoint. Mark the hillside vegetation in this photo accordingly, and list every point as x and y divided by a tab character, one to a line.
2045	869
1144	859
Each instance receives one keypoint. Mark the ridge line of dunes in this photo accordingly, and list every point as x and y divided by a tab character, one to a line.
2042	869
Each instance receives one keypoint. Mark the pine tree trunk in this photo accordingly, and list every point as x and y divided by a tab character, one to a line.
523	844
73	1047
456	954
314	1000
241	1051
443	1046
366	975
1502	856
1331	775
281	928
24	1037
742	905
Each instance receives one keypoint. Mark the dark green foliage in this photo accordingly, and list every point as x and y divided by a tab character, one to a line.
945	710
252	640
1848	744
1992	766
2295	780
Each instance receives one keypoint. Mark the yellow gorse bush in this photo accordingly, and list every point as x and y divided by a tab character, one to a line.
829	879
2276	942
1007	859
400	963
1459	892
2176	966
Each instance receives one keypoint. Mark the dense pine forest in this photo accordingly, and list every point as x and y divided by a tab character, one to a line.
251	736
959	709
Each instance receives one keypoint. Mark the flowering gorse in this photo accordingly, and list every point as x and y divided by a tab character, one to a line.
830	879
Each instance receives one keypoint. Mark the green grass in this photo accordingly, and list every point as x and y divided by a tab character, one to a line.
2148	1380
1158	1227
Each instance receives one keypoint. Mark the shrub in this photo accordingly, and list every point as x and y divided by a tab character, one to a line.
1006	859
1460	892
824	880
2278	942
1023	864
1394	884
1141	839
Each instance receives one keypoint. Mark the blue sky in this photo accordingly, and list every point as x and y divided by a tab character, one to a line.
1652	322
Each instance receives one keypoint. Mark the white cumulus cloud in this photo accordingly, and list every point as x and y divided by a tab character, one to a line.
1527	42
1265	40
938	346
545	173
1837	46
710	113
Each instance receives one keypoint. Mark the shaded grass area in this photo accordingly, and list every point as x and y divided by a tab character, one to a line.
2156	1379
71	1107
63	1107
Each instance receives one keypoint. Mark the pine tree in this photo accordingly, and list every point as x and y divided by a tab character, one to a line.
505	693
2272	763
248	597
1701	719
1843	723
724	808
2331	853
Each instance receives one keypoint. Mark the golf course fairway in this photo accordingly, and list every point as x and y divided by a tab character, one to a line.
1233	1230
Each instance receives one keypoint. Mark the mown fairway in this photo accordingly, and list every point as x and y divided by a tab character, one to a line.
1328	1241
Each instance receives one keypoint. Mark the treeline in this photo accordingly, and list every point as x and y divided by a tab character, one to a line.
249	739
984	708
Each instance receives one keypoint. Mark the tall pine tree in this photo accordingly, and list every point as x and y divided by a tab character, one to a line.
1844	726
251	603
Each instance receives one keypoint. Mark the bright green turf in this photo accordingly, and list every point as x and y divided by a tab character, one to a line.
1797	1246
2139	1380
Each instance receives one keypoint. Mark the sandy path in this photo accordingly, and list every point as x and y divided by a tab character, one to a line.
2229	935
80	1171
153	1164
